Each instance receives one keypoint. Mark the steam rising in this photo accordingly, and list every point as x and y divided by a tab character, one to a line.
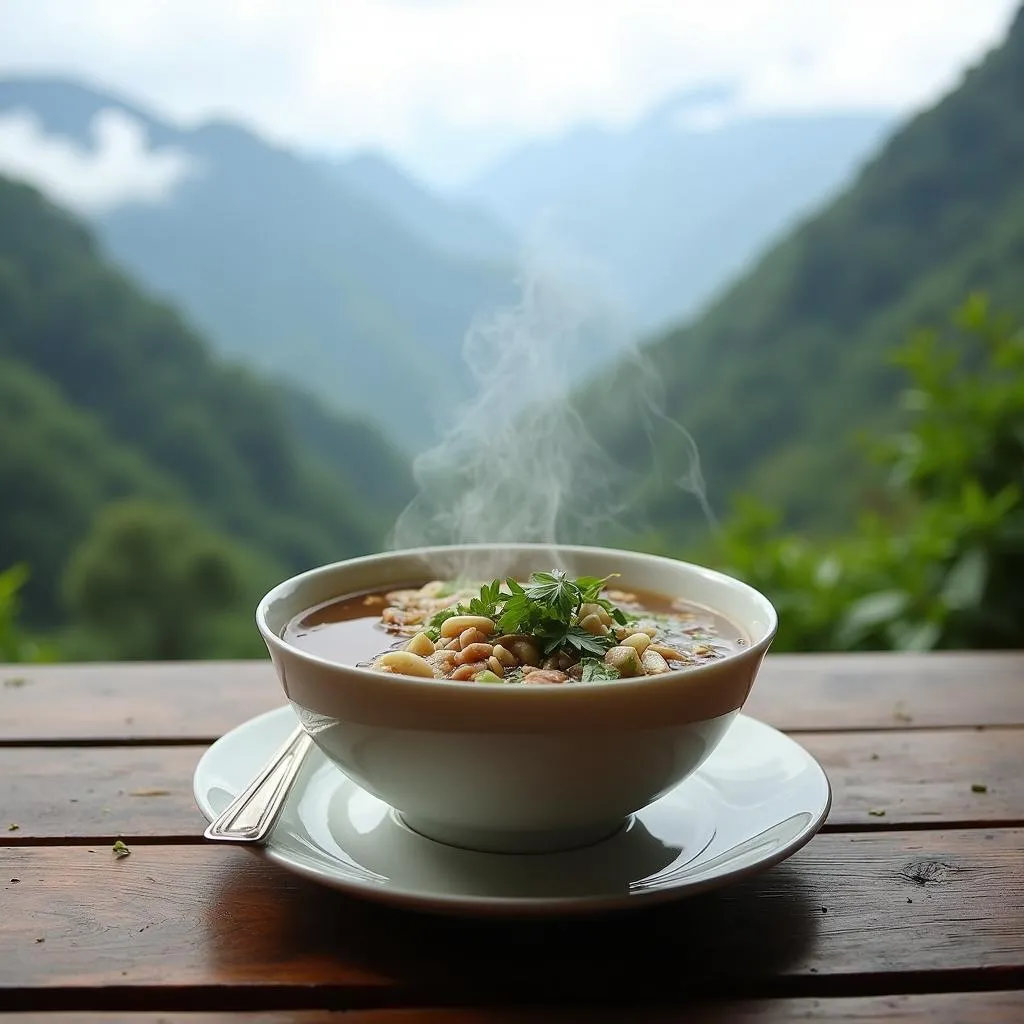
531	454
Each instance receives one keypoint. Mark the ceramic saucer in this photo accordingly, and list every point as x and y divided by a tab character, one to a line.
754	802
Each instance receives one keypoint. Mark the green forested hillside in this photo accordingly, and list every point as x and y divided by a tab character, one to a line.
291	267
107	395
789	361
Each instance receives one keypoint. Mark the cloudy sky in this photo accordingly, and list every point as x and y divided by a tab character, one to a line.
446	85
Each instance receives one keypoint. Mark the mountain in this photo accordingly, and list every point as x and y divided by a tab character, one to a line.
298	271
106	394
441	222
676	205
775	376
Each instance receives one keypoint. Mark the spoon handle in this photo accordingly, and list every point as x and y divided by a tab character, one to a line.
252	814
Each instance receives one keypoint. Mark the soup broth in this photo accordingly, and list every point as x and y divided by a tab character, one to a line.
539	631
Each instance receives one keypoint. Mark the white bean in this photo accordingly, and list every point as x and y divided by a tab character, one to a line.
420	644
654	664
639	641
405	663
460	623
626	660
668	653
505	657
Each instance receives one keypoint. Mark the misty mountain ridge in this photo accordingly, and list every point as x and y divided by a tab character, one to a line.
284	264
441	221
678	203
351	278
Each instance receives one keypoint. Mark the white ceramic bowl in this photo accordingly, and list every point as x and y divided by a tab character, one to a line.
516	768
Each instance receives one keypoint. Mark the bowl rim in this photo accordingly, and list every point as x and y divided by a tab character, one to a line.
755	649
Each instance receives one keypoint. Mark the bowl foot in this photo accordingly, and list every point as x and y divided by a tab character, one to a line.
490	841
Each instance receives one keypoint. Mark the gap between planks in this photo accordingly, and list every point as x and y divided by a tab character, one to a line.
206	741
992	1007
344	1000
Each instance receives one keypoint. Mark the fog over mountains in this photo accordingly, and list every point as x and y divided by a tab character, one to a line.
350	277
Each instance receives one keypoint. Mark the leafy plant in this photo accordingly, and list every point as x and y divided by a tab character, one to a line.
939	565
15	643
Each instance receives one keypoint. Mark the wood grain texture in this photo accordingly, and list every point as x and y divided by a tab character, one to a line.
922	778
849	915
59	793
917	778
199	701
952	1008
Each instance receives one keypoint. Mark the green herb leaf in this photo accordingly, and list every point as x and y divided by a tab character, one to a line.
516	614
555	591
616	612
120	849
587	643
433	629
595	669
590	588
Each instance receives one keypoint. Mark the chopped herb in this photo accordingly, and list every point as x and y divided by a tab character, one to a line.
40	940
979	787
875	812
617	613
556	635
594	669
13	827
433	629
120	849
515	676
900	713
16	681
545	607
487	603
553	590
150	792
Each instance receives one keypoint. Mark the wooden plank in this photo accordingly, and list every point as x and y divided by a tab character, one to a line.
199	701
917	778
922	778
97	792
947	1008
191	701
860	915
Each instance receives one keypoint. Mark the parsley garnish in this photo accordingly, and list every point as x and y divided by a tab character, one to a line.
546	607
595	669
433	629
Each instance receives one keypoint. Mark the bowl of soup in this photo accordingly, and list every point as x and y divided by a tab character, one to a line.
516	698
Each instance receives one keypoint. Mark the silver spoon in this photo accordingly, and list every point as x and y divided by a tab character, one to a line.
253	813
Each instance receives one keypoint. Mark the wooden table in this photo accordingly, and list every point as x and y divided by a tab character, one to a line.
908	905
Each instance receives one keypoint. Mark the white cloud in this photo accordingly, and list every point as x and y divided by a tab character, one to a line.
441	82
118	169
